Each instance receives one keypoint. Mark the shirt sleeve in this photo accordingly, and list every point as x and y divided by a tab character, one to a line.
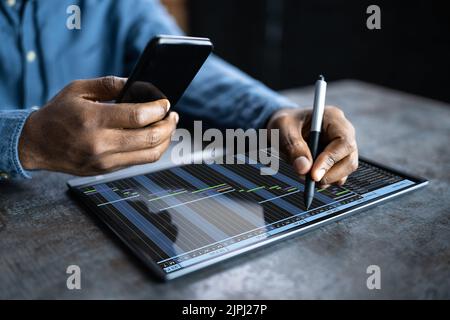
221	95
11	125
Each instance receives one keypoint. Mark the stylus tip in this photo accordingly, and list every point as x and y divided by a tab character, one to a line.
308	202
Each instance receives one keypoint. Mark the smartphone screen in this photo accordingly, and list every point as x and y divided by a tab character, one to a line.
165	69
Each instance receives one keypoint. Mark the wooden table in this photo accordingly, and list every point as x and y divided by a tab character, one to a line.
42	230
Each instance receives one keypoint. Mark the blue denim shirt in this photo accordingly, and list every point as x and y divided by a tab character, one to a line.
39	55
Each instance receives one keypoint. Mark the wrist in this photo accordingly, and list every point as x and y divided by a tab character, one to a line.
277	114
28	147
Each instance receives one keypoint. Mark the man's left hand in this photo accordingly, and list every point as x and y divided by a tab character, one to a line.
338	159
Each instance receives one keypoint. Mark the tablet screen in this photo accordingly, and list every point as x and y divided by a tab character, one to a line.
184	216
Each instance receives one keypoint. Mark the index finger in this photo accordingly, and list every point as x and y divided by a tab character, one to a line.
100	89
134	115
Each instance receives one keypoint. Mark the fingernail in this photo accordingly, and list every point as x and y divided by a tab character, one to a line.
320	174
177	117
167	106
301	165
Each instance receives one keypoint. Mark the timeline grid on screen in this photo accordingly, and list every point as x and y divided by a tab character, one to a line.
187	214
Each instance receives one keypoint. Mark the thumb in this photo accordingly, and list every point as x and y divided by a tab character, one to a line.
102	89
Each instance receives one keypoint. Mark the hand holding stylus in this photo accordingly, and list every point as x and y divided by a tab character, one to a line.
338	159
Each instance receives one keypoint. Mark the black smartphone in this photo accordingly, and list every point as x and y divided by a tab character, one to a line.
165	69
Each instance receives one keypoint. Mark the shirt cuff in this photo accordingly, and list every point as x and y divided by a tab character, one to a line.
11	125
270	101
273	103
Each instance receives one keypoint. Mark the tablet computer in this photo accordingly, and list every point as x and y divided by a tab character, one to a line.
184	218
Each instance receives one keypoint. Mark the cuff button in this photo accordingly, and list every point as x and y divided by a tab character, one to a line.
4	176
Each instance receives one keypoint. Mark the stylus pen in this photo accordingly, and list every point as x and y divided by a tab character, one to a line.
314	135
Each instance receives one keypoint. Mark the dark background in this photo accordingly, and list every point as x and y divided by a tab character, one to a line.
287	43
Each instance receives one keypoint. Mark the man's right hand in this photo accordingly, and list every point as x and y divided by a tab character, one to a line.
76	133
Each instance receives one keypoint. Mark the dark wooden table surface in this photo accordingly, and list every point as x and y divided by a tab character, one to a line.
42	230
